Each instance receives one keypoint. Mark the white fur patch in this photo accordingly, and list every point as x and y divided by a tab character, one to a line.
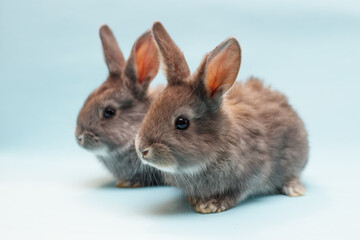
101	151
169	169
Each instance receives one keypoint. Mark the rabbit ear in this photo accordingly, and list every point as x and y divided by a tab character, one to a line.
113	56
221	68
176	68
143	63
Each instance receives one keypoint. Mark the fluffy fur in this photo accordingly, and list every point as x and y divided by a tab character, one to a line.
126	91
246	142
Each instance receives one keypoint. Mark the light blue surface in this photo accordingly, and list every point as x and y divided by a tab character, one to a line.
50	60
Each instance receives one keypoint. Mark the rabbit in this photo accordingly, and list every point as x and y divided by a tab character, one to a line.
219	140
111	116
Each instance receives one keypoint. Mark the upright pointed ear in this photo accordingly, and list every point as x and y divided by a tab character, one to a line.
113	56
176	68
143	63
221	68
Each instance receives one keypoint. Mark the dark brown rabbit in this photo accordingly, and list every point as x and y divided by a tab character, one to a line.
218	140
111	116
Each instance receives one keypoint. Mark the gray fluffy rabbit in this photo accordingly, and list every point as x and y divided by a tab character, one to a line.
218	140
111	116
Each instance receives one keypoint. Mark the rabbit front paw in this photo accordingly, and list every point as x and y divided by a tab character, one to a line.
212	205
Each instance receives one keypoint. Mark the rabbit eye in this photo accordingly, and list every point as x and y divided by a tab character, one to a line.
109	112
182	123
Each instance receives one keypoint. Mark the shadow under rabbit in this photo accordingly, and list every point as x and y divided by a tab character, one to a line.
178	204
167	201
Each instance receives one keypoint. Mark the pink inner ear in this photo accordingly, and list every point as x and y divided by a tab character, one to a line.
222	67
216	73
146	59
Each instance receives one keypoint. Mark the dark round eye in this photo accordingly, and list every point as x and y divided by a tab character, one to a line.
109	112
182	123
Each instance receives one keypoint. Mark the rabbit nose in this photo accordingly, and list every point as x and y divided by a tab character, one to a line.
144	152
80	139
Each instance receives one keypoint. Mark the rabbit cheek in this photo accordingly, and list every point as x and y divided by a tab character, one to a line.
159	156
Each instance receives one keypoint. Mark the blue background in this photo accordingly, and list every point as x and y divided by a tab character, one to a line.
51	59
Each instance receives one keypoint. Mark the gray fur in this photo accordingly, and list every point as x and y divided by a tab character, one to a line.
247	142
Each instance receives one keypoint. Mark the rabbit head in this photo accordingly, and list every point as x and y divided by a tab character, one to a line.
112	114
185	124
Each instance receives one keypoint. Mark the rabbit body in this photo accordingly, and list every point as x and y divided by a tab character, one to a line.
261	148
221	148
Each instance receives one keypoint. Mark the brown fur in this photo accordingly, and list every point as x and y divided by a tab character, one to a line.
243	142
175	68
125	91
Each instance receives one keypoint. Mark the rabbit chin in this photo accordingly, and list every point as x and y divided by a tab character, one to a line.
175	169
100	151
167	168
